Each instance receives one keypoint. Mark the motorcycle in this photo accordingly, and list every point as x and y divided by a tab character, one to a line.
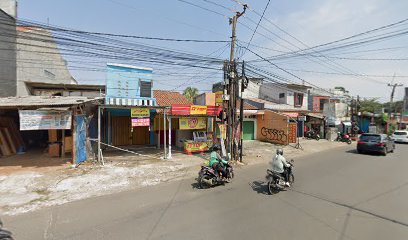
276	181
208	177
312	135
343	138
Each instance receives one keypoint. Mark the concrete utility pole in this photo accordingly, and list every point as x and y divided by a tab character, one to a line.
232	90
392	99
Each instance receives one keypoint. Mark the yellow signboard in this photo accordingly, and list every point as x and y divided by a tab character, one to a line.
187	123
218	98
198	110
191	147
140	112
223	130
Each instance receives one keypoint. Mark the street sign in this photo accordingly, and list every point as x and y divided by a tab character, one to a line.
302	118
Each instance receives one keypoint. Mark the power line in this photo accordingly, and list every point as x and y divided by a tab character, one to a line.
256	28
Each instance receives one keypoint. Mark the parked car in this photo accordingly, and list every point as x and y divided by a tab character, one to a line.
400	136
380	143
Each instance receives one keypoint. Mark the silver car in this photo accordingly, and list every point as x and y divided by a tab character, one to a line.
400	136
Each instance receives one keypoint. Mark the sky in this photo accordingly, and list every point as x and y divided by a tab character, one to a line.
304	24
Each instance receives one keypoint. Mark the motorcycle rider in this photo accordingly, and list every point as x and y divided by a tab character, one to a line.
216	161
280	165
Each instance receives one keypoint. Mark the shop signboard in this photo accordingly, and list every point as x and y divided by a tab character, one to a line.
195	146
302	118
292	132
44	120
218	98
140	122
187	123
223	131
198	110
140	112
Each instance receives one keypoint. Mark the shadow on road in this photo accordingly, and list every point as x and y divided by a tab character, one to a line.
259	187
354	151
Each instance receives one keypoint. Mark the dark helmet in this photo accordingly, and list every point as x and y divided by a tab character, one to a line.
216	147
279	151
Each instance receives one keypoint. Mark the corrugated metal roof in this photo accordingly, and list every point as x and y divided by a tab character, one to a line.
43	101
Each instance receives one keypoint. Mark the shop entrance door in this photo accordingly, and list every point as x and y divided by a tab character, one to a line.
248	130
141	136
121	131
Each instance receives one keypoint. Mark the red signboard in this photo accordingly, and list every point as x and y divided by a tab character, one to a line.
140	122
292	132
185	110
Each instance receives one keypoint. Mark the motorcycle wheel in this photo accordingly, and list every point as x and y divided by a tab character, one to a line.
317	138
349	141
271	188
291	179
202	183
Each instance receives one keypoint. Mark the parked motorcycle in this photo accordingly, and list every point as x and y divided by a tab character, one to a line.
312	135
208	177
276	182
343	138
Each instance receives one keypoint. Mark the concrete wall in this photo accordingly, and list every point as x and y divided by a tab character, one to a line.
273	127
271	92
9	7
253	90
8	72
39	60
205	99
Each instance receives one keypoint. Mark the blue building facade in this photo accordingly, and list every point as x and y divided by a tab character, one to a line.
129	85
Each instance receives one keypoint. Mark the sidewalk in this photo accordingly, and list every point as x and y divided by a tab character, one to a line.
31	190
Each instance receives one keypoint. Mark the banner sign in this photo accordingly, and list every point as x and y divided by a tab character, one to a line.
198	110
187	123
292	132
223	130
195	147
218	98
44	120
140	122
139	112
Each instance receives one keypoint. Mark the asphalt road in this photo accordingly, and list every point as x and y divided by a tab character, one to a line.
337	194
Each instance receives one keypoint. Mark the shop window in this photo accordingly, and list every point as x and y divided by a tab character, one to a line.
145	89
298	99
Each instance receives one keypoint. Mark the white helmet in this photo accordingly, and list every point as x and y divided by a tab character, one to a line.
279	151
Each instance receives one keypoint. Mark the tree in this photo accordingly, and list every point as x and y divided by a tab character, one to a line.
190	93
371	105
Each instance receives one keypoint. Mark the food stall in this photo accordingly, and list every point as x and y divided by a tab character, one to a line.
195	131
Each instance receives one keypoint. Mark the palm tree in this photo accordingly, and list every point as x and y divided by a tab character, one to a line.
190	93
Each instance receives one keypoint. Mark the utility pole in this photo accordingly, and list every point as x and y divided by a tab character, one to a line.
233	91
391	100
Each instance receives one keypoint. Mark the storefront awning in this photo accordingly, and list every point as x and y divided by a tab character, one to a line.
314	115
291	114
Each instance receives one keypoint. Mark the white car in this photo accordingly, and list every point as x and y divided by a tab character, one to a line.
400	136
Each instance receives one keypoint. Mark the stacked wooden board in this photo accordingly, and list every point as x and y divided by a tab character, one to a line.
10	139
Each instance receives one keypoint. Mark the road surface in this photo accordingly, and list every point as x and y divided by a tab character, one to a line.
337	194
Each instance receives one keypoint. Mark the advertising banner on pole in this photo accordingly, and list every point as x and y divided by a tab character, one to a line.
187	123
139	112
218	98
140	122
43	120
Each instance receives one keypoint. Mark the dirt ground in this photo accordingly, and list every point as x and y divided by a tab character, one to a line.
28	184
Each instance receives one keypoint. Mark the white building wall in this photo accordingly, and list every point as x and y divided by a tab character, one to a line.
39	60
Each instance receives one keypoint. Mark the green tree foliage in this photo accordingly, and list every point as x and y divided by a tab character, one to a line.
190	93
396	107
371	105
